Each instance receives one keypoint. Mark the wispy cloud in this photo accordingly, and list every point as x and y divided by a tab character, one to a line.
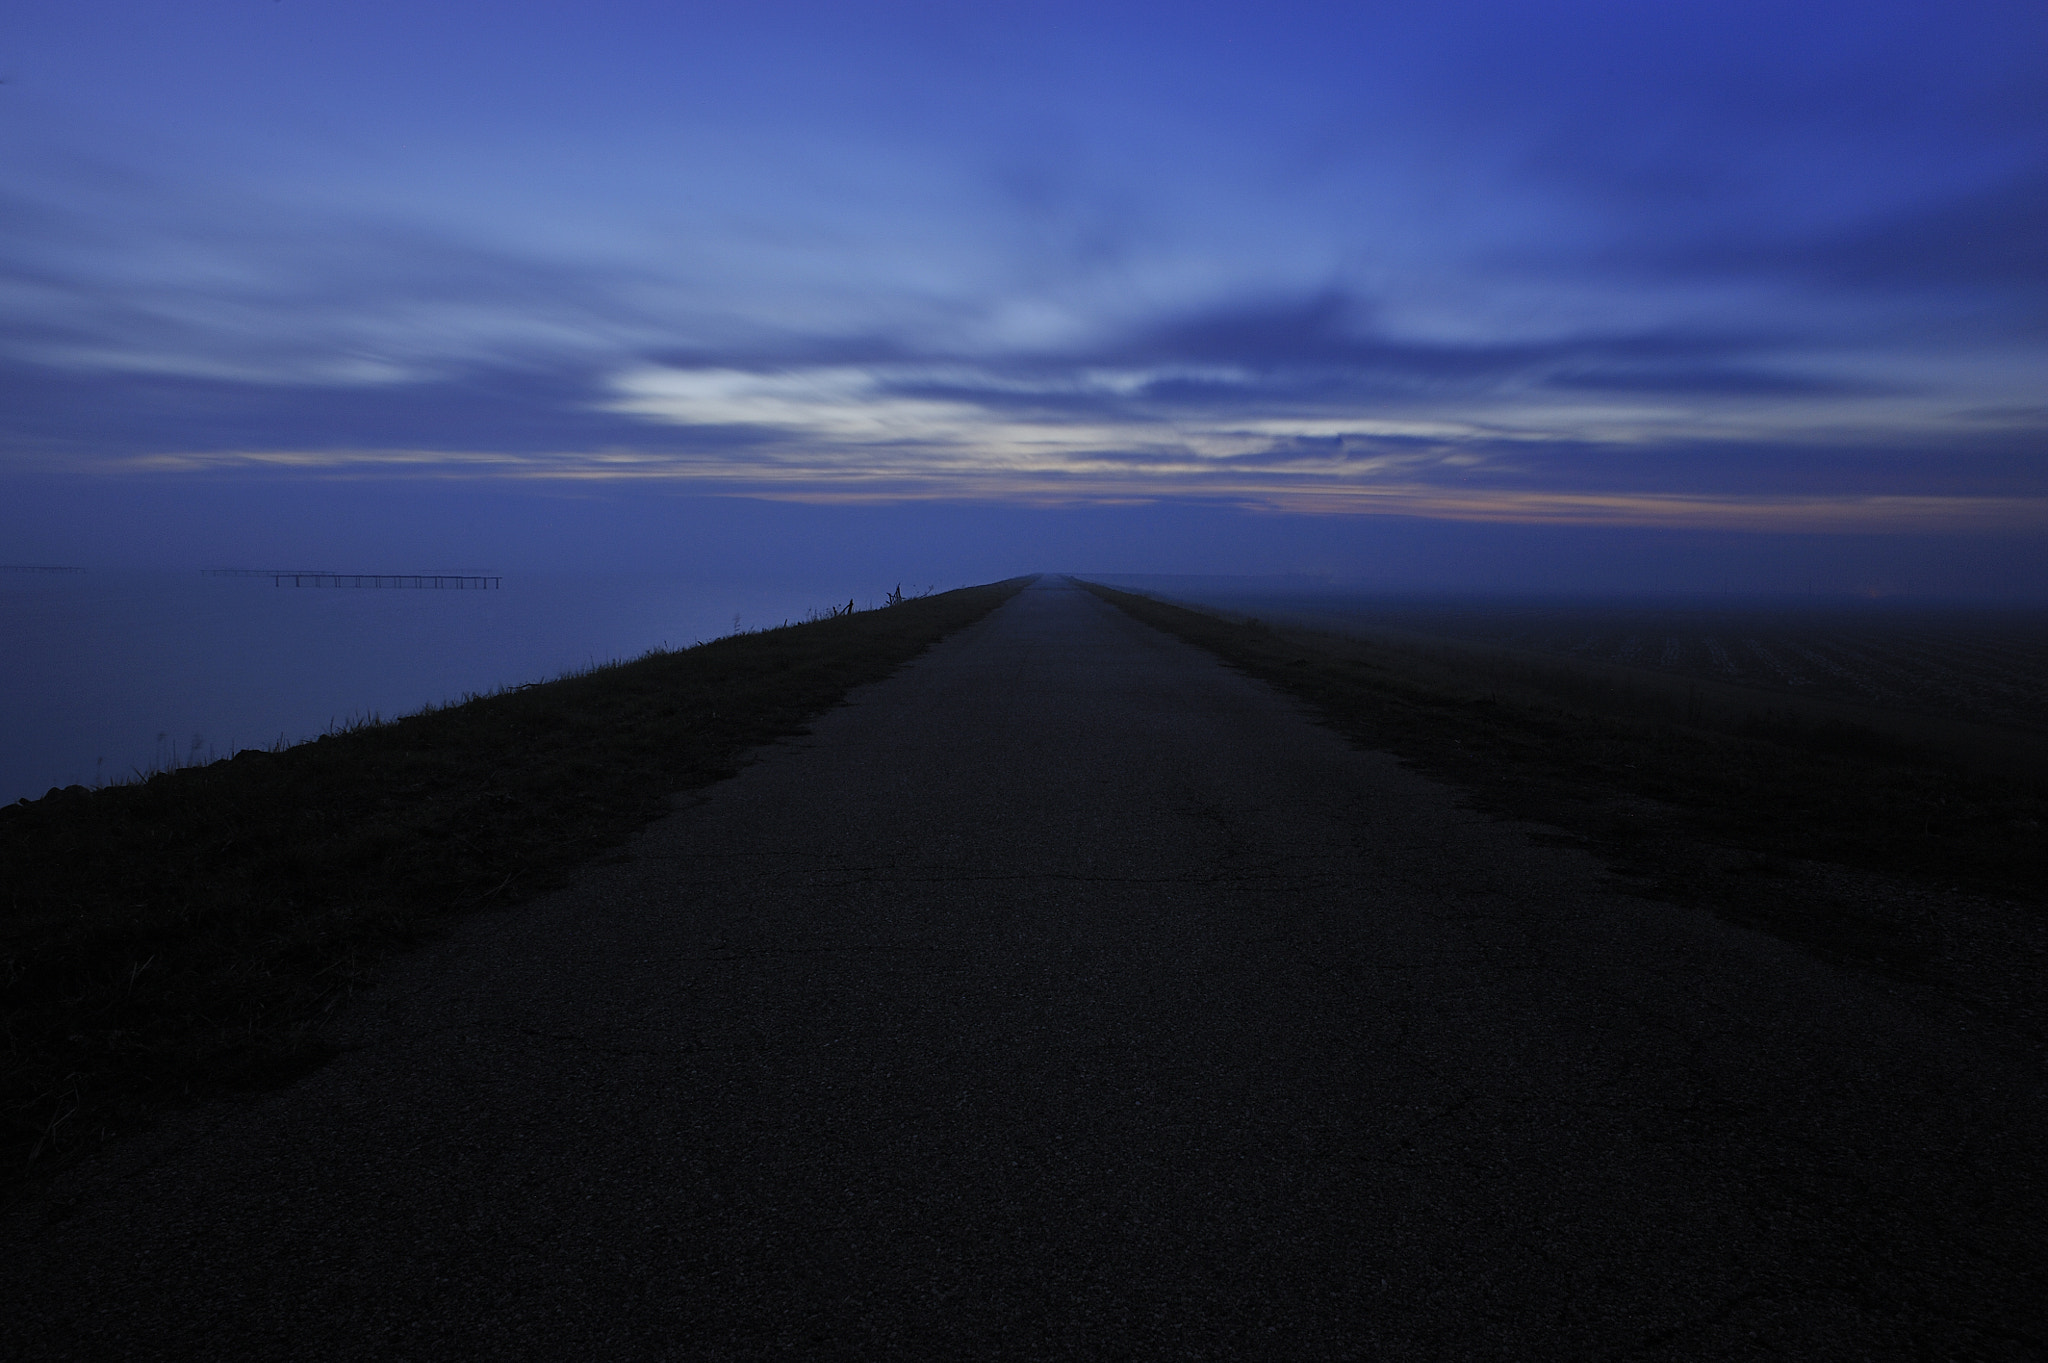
1621	265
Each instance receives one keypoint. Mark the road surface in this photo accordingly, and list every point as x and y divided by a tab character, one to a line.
1070	996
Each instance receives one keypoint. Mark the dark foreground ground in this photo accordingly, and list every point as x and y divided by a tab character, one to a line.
1955	661
1070	995
188	938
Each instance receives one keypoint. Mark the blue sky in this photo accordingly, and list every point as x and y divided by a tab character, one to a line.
1288	275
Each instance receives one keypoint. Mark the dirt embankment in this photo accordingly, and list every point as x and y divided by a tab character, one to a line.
185	937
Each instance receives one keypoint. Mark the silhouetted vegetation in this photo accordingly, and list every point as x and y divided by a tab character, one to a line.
185	936
1716	815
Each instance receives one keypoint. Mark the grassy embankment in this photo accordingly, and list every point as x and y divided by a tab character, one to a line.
1752	814
184	937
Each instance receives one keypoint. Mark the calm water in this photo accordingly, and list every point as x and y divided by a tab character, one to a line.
102	674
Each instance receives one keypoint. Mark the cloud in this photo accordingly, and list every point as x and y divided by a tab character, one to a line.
152	328
1990	238
61	416
1288	401
836	402
138	279
1215	379
1985	241
1711	381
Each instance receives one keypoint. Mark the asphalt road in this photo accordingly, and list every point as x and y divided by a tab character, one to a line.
1071	996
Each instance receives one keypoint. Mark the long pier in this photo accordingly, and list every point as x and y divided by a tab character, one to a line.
258	572
320	577
456	582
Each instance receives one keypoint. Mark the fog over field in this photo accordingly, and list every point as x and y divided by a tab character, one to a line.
1983	663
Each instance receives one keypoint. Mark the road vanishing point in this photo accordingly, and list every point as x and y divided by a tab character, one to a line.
1071	996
